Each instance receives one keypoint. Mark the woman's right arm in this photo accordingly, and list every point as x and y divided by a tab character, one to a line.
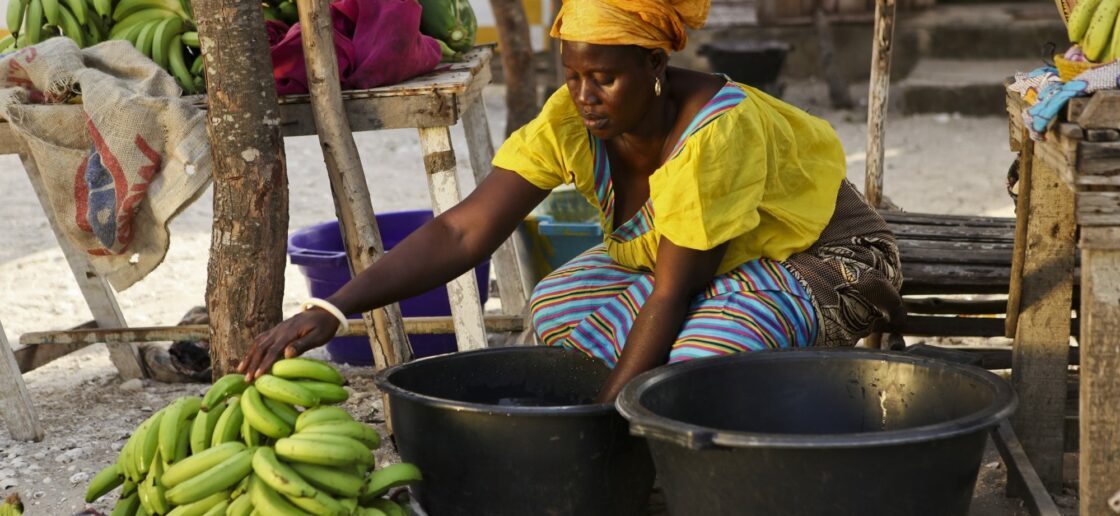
443	249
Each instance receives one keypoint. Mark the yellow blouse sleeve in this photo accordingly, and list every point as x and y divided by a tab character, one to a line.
542	150
709	194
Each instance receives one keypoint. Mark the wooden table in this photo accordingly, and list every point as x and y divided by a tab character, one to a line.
1069	198
431	103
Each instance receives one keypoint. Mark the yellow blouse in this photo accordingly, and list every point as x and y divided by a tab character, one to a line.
761	176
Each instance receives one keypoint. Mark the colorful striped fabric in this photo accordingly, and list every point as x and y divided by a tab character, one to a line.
591	303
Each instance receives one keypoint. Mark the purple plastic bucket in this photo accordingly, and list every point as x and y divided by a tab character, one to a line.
319	253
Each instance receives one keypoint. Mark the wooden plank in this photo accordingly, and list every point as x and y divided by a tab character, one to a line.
1075	107
95	289
938	219
1018	255
945	306
1100	160
1070	130
954	233
443	185
1042	336
1102	135
924	278
1098	208
975	256
1021	472
1101	111
507	265
348	182
877	99
15	402
1099	461
932	326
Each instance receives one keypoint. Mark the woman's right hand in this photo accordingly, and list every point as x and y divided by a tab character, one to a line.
293	337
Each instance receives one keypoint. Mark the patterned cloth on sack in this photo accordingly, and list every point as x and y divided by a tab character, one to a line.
759	300
1048	95
645	23
119	165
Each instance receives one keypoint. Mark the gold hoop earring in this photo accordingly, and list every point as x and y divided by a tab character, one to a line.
657	86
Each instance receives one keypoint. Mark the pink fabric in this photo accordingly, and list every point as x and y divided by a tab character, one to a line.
378	42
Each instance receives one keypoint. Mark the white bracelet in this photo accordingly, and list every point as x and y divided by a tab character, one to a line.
343	322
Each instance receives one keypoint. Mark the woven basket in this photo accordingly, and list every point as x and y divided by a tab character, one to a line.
1067	69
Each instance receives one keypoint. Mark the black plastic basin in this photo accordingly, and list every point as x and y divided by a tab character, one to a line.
514	431
755	63
817	432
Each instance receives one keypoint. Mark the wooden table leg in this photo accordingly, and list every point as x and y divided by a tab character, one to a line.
1041	348
507	264
1099	468
15	402
95	289
443	184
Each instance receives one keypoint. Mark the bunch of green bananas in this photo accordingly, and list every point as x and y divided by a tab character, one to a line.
31	21
1093	25
163	30
282	10
275	447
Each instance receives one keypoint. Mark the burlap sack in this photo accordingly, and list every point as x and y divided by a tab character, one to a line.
119	165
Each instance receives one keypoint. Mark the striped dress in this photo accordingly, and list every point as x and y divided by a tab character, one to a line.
591	303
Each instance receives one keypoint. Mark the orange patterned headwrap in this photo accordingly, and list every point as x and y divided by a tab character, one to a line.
645	23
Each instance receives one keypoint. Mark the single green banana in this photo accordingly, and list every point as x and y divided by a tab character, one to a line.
162	39
78	7
229	424
280	476
321	504
241	505
127	460
196	465
332	480
218	509
190	39
321	414
16	11
97	30
157	494
226	386
148	445
173	423
188	9
138	19
71	28
145	38
103	8
352	429
178	67
350	504
202	430
394	475
258	415
1079	18
128	488
199	84
323	449
307	369
284	411
7	42
241	488
218	478
104	481
183	445
33	25
201	507
268	501
328	393
288	391
126	8
389	507
249	435
368	511
1099	35
127	505
50	12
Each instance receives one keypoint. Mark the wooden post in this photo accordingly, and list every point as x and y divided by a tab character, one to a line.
245	278
1019	252
517	62
877	101
443	185
15	402
1041	348
1099	468
348	182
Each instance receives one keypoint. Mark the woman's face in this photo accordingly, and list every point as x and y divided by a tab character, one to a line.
611	85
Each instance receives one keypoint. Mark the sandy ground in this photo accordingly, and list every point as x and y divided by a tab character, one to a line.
938	163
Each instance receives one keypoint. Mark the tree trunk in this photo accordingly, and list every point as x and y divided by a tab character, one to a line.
517	62
245	279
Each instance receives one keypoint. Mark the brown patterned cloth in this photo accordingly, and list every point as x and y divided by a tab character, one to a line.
852	272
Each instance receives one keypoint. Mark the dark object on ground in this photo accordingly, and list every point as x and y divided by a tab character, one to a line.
754	63
511	431
817	432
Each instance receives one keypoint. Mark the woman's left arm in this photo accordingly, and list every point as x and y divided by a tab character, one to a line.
679	276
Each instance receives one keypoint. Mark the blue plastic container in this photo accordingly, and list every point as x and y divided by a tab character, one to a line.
321	256
566	240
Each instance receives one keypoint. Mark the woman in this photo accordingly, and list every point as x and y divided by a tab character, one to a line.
729	224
